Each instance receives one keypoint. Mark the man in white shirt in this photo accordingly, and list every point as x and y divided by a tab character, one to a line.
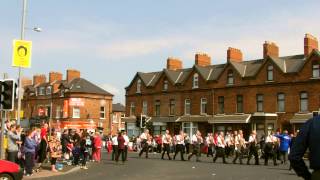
221	145
144	138
269	149
166	141
239	142
196	142
114	146
253	150
126	142
179	145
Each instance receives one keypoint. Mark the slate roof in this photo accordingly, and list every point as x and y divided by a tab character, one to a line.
118	108
248	68
80	85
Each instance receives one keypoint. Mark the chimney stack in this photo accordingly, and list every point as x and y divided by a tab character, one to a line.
26	81
310	43
72	74
174	63
202	59
270	49
54	76
39	79
234	55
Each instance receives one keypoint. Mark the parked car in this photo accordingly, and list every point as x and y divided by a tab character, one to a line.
10	171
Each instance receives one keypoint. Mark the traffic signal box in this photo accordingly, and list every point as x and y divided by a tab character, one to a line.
7	92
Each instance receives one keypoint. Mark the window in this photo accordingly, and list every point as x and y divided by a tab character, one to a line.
187	107
315	70
239	104
195	81
102	112
132	109
303	101
62	93
203	106
221	104
270	73
41	90
159	130
76	112
259	103
144	107
49	90
157	108
139	86
190	128
172	107
281	102
165	85
58	112
230	80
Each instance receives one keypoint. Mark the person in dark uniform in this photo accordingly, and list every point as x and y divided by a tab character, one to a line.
144	144
196	141
253	149
308	137
180	145
269	149
166	141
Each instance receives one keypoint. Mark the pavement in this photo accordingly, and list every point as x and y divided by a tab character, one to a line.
154	168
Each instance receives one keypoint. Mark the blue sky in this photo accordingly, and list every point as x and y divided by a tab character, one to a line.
109	41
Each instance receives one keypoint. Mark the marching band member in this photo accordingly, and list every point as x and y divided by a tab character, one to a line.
210	144
253	150
196	142
220	148
269	149
144	138
166	141
179	145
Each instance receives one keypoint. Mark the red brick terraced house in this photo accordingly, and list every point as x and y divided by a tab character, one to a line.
71	103
264	94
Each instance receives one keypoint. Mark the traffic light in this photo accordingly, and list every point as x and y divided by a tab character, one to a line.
138	122
7	94
143	125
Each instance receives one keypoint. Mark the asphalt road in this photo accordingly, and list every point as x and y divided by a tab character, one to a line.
156	169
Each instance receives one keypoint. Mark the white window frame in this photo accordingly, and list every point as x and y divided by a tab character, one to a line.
42	91
260	102
76	112
139	86
203	102
230	78
102	112
193	127
315	70
170	106
281	100
304	99
58	112
49	90
187	103
195	82
145	107
132	106
270	73
165	85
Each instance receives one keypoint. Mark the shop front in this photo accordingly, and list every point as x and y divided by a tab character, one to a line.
190	124
299	119
263	123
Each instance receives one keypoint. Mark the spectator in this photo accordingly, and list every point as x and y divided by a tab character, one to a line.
29	149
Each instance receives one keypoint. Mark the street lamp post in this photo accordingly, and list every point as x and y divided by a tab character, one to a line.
23	28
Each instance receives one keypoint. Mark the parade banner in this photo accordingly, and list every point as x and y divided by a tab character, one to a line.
22	53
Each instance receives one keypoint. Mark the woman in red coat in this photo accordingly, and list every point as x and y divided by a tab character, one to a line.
96	155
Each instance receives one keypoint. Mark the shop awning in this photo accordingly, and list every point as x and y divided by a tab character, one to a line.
300	118
193	118
234	119
131	119
265	114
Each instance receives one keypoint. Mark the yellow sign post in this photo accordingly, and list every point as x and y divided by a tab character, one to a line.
22	51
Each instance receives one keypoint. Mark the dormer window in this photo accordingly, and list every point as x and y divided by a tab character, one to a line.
195	81
165	85
230	79
315	70
49	90
62	93
139	86
270	73
41	91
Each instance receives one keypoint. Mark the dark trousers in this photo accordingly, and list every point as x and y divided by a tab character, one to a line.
166	148
195	151
53	161
84	155
13	156
29	163
269	152
125	153
180	148
253	151
284	156
220	153
210	151
114	152
238	154
145	148
187	148
158	148
122	152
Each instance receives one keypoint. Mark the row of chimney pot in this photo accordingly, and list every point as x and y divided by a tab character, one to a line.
235	55
55	76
